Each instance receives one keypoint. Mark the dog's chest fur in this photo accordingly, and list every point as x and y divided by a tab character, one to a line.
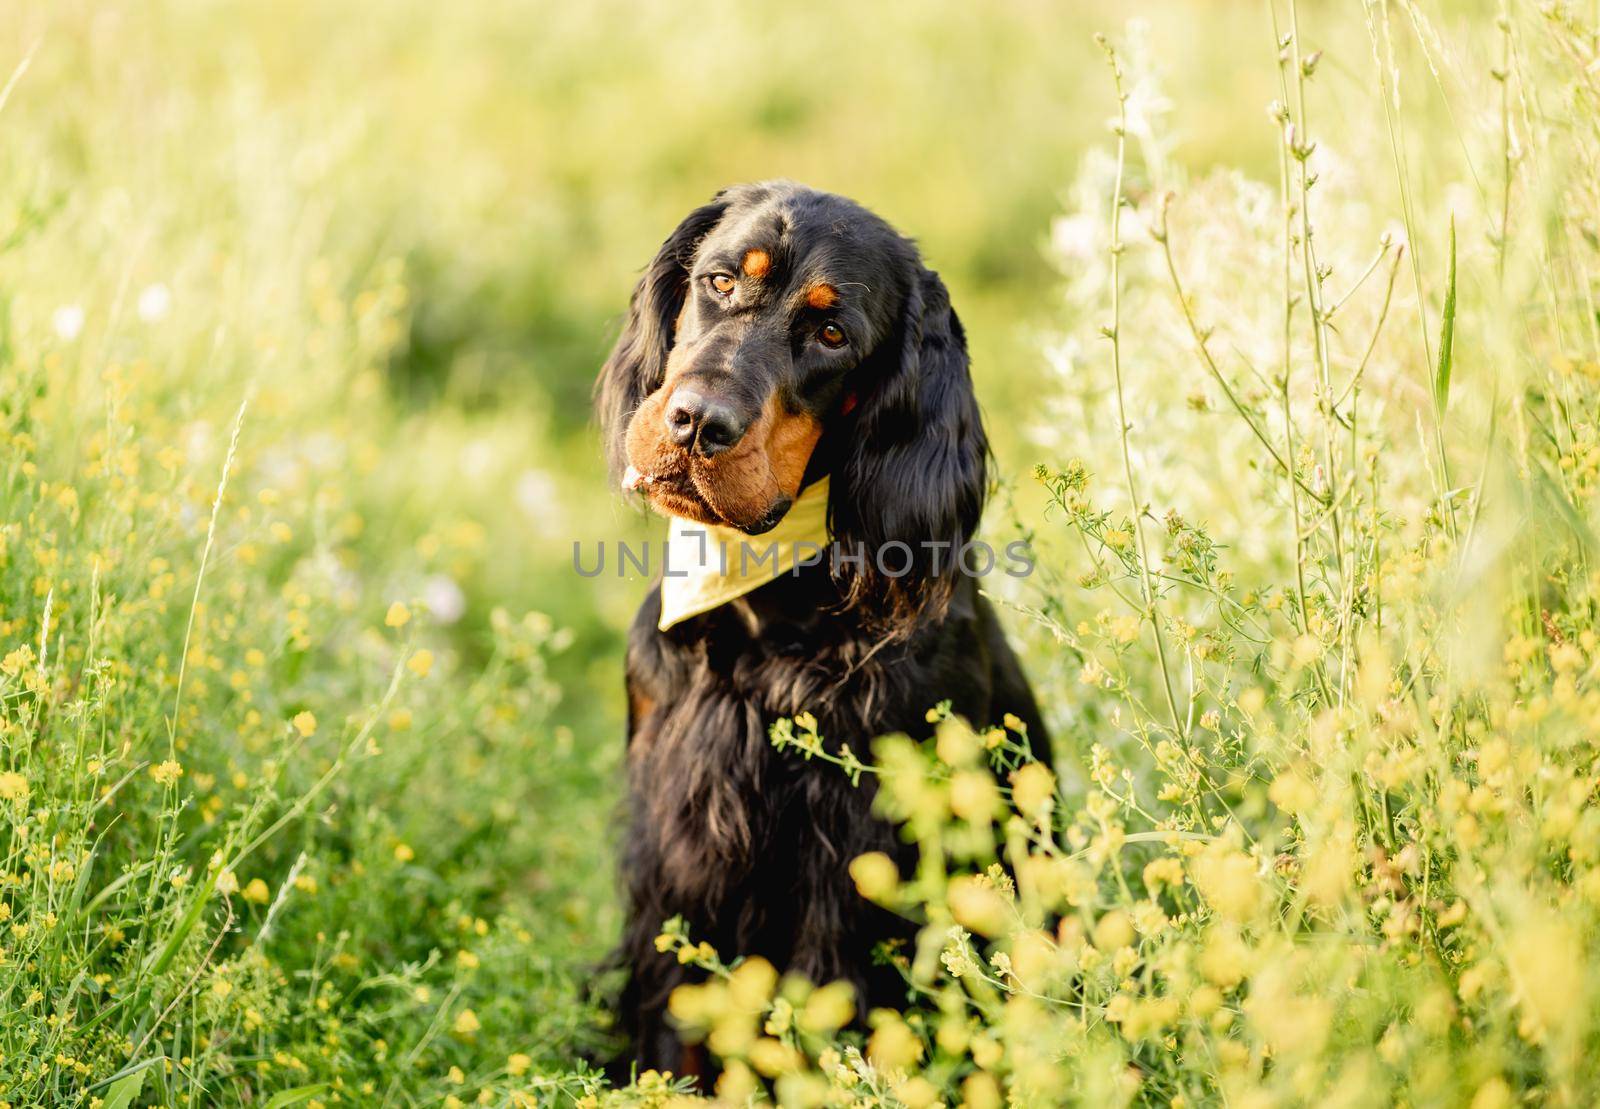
728	808
750	844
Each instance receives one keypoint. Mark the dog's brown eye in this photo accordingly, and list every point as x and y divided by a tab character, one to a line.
831	335
722	283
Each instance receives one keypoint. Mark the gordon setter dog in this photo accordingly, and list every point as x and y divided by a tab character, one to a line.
782	337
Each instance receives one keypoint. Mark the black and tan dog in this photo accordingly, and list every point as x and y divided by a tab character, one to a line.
783	336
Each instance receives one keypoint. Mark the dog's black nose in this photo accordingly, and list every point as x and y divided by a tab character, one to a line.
706	425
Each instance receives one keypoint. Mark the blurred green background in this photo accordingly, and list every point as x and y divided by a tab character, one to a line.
315	784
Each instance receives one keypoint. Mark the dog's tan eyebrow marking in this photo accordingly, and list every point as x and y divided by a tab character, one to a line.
822	295
757	262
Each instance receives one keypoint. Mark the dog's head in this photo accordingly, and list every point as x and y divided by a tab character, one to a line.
782	334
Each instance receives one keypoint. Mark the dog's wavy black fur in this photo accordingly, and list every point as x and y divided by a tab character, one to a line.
749	844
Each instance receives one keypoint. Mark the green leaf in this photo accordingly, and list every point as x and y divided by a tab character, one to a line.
1447	332
121	1093
185	926
295	1096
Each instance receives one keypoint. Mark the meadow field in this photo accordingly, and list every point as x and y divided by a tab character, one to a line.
1284	318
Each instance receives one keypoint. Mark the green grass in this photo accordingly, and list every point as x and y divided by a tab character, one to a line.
299	310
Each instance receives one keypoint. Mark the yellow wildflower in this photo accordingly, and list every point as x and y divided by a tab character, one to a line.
1033	788
1227	878
875	875
1292	792
420	663
892	1045
829	1008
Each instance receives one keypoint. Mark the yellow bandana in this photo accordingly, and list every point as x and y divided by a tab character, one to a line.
708	566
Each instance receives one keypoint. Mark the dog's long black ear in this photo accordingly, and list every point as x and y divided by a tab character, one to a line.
638	362
913	469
